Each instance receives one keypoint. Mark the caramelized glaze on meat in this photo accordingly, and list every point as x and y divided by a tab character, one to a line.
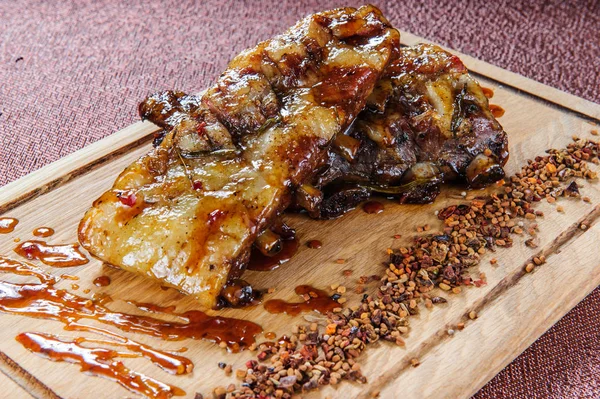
427	122
187	213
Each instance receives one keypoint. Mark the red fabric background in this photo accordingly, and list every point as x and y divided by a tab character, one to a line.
72	73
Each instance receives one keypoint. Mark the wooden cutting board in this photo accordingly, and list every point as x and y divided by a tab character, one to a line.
514	308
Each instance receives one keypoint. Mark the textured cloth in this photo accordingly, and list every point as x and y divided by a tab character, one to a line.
72	73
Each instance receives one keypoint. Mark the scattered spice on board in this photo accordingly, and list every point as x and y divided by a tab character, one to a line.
326	352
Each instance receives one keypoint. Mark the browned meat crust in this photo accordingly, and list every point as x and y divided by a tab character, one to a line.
187	213
427	122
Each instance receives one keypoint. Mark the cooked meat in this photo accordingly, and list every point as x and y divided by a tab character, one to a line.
427	122
168	109
187	213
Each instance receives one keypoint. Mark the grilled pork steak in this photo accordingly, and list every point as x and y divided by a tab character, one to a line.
188	212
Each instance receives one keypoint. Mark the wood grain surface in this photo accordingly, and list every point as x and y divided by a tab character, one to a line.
515	308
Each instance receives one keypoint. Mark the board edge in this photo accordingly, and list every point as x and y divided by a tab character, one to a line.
20	376
73	165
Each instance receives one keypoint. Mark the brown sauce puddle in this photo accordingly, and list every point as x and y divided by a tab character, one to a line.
43	232
314	244
52	255
318	300
98	362
373	207
102	281
496	110
489	93
7	225
262	263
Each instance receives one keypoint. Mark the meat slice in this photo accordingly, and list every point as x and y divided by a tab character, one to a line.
427	122
187	213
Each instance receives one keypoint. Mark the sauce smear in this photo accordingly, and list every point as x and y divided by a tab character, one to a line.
150	307
43	301
373	207
8	265
317	300
262	263
52	255
102	281
96	361
7	225
314	244
172	364
496	110
489	93
43	232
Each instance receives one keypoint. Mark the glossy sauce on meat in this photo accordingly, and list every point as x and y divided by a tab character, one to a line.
427	122
188	212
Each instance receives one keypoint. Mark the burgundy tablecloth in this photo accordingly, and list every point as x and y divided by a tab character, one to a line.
72	73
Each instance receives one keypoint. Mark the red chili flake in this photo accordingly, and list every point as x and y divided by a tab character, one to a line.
251	364
127	199
308	352
200	128
197	185
214	215
479	283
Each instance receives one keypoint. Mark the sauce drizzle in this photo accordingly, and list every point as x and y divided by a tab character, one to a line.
489	93
8	265
7	225
150	307
317	300
314	244
373	207
102	281
171	363
43	232
68	308
98	362
42	301
52	255
262	263
496	110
